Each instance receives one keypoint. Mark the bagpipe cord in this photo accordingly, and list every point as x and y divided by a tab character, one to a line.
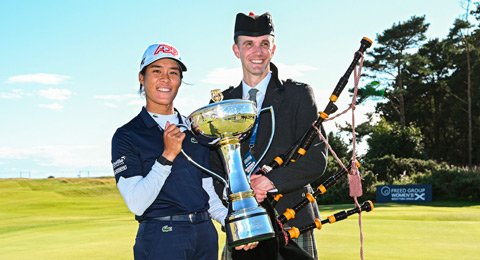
354	179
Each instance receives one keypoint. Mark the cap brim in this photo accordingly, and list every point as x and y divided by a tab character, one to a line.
180	63
182	66
254	34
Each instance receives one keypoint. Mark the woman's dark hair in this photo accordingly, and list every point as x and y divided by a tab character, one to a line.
141	90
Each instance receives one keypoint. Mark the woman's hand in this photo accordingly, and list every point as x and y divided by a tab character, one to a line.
172	138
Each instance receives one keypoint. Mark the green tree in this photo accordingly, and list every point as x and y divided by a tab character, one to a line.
372	90
463	45
362	130
395	139
389	61
338	145
427	74
476	13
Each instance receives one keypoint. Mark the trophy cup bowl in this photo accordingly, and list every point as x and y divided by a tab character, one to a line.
224	124
229	118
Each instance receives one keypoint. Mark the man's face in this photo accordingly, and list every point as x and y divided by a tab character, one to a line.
161	81
255	54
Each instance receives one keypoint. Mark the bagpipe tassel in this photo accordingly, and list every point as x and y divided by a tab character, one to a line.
355	181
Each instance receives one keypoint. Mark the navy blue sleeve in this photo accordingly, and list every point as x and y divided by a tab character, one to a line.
126	159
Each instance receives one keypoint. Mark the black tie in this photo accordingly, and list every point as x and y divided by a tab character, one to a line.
252	95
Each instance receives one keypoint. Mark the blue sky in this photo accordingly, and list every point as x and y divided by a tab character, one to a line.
69	69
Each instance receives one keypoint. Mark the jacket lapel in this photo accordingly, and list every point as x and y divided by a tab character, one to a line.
233	93
273	98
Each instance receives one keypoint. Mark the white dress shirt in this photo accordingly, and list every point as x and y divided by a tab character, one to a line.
261	87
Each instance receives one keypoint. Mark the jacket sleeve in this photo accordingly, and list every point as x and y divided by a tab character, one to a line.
216	209
138	191
310	166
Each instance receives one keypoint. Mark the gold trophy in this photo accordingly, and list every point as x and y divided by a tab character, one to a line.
224	124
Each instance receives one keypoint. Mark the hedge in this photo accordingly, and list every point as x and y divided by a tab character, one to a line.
448	182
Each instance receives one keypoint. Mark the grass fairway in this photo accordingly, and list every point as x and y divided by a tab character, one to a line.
86	218
402	231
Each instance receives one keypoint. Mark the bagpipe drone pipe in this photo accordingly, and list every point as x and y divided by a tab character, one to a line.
284	246
294	232
300	148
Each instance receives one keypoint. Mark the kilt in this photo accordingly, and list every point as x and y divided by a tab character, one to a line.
305	241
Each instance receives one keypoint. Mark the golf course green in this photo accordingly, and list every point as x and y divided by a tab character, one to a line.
86	218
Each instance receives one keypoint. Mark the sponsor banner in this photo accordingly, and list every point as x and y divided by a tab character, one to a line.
404	193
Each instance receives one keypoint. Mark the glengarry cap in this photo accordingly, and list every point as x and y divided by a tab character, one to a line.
253	25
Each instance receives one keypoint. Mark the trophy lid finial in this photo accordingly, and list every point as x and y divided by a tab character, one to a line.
217	95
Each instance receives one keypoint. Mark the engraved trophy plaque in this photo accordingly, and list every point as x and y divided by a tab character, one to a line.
224	124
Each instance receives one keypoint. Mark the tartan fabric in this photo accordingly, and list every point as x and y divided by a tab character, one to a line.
305	241
226	253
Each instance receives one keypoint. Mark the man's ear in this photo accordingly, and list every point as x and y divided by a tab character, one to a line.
236	51
273	49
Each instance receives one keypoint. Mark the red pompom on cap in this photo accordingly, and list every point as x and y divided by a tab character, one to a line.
251	14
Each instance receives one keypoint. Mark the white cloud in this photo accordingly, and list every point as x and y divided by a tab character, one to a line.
55	94
292	71
224	76
57	156
42	78
136	102
13	94
189	103
117	98
129	99
14	153
232	76
111	105
53	106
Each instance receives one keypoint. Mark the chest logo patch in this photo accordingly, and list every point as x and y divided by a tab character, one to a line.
193	140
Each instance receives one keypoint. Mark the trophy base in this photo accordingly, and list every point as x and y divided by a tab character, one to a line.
248	225
250	240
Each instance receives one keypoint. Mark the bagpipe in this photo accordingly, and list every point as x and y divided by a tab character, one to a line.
298	150
367	206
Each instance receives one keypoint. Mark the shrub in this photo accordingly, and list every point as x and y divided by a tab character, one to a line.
452	184
340	192
391	138
389	169
448	182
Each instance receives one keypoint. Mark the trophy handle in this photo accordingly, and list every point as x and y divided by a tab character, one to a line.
207	170
246	221
272	114
198	165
